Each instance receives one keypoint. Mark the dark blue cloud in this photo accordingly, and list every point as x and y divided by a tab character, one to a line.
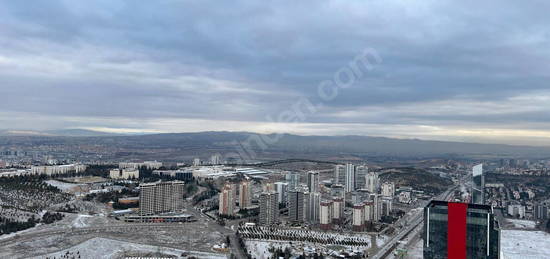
243	60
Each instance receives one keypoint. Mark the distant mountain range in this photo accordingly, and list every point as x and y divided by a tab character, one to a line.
343	145
287	145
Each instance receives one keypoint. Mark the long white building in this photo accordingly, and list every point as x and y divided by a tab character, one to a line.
147	164
124	174
58	169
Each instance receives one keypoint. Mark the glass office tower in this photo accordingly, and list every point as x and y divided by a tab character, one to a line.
460	230
478	185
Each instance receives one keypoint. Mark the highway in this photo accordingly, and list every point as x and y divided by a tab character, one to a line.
414	224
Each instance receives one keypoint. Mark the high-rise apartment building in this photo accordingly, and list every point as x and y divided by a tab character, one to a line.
338	206
337	190
372	182
293	179
361	172
358	217
216	159
540	211
325	215
350	178
388	190
282	191
376	212
269	209
369	211
196	162
313	201
313	181
296	206
245	192
460	230
160	197
339	175
386	206
227	200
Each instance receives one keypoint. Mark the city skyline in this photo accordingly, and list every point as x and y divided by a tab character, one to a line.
274	129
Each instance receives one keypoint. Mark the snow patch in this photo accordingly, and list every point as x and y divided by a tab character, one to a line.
525	244
109	248
80	221
65	187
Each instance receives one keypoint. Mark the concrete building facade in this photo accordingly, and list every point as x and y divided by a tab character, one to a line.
161	197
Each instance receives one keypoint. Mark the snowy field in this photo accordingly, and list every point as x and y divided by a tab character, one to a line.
525	244
523	224
260	249
108	248
65	187
81	221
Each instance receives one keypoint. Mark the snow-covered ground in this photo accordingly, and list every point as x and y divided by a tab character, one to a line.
274	233
81	221
381	240
109	248
416	251
525	244
523	224
65	187
260	249
6	236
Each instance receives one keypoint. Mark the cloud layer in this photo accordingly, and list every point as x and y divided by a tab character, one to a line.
465	70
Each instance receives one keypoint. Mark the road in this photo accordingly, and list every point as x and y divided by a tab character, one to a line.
414	224
236	248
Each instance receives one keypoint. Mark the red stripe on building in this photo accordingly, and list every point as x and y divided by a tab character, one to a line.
456	231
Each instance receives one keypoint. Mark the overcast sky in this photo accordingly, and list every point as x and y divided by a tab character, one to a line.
450	70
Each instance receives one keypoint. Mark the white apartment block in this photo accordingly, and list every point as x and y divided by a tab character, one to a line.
151	165
124	174
58	169
388	190
161	197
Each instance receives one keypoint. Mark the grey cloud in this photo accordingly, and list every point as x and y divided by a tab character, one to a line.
277	51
